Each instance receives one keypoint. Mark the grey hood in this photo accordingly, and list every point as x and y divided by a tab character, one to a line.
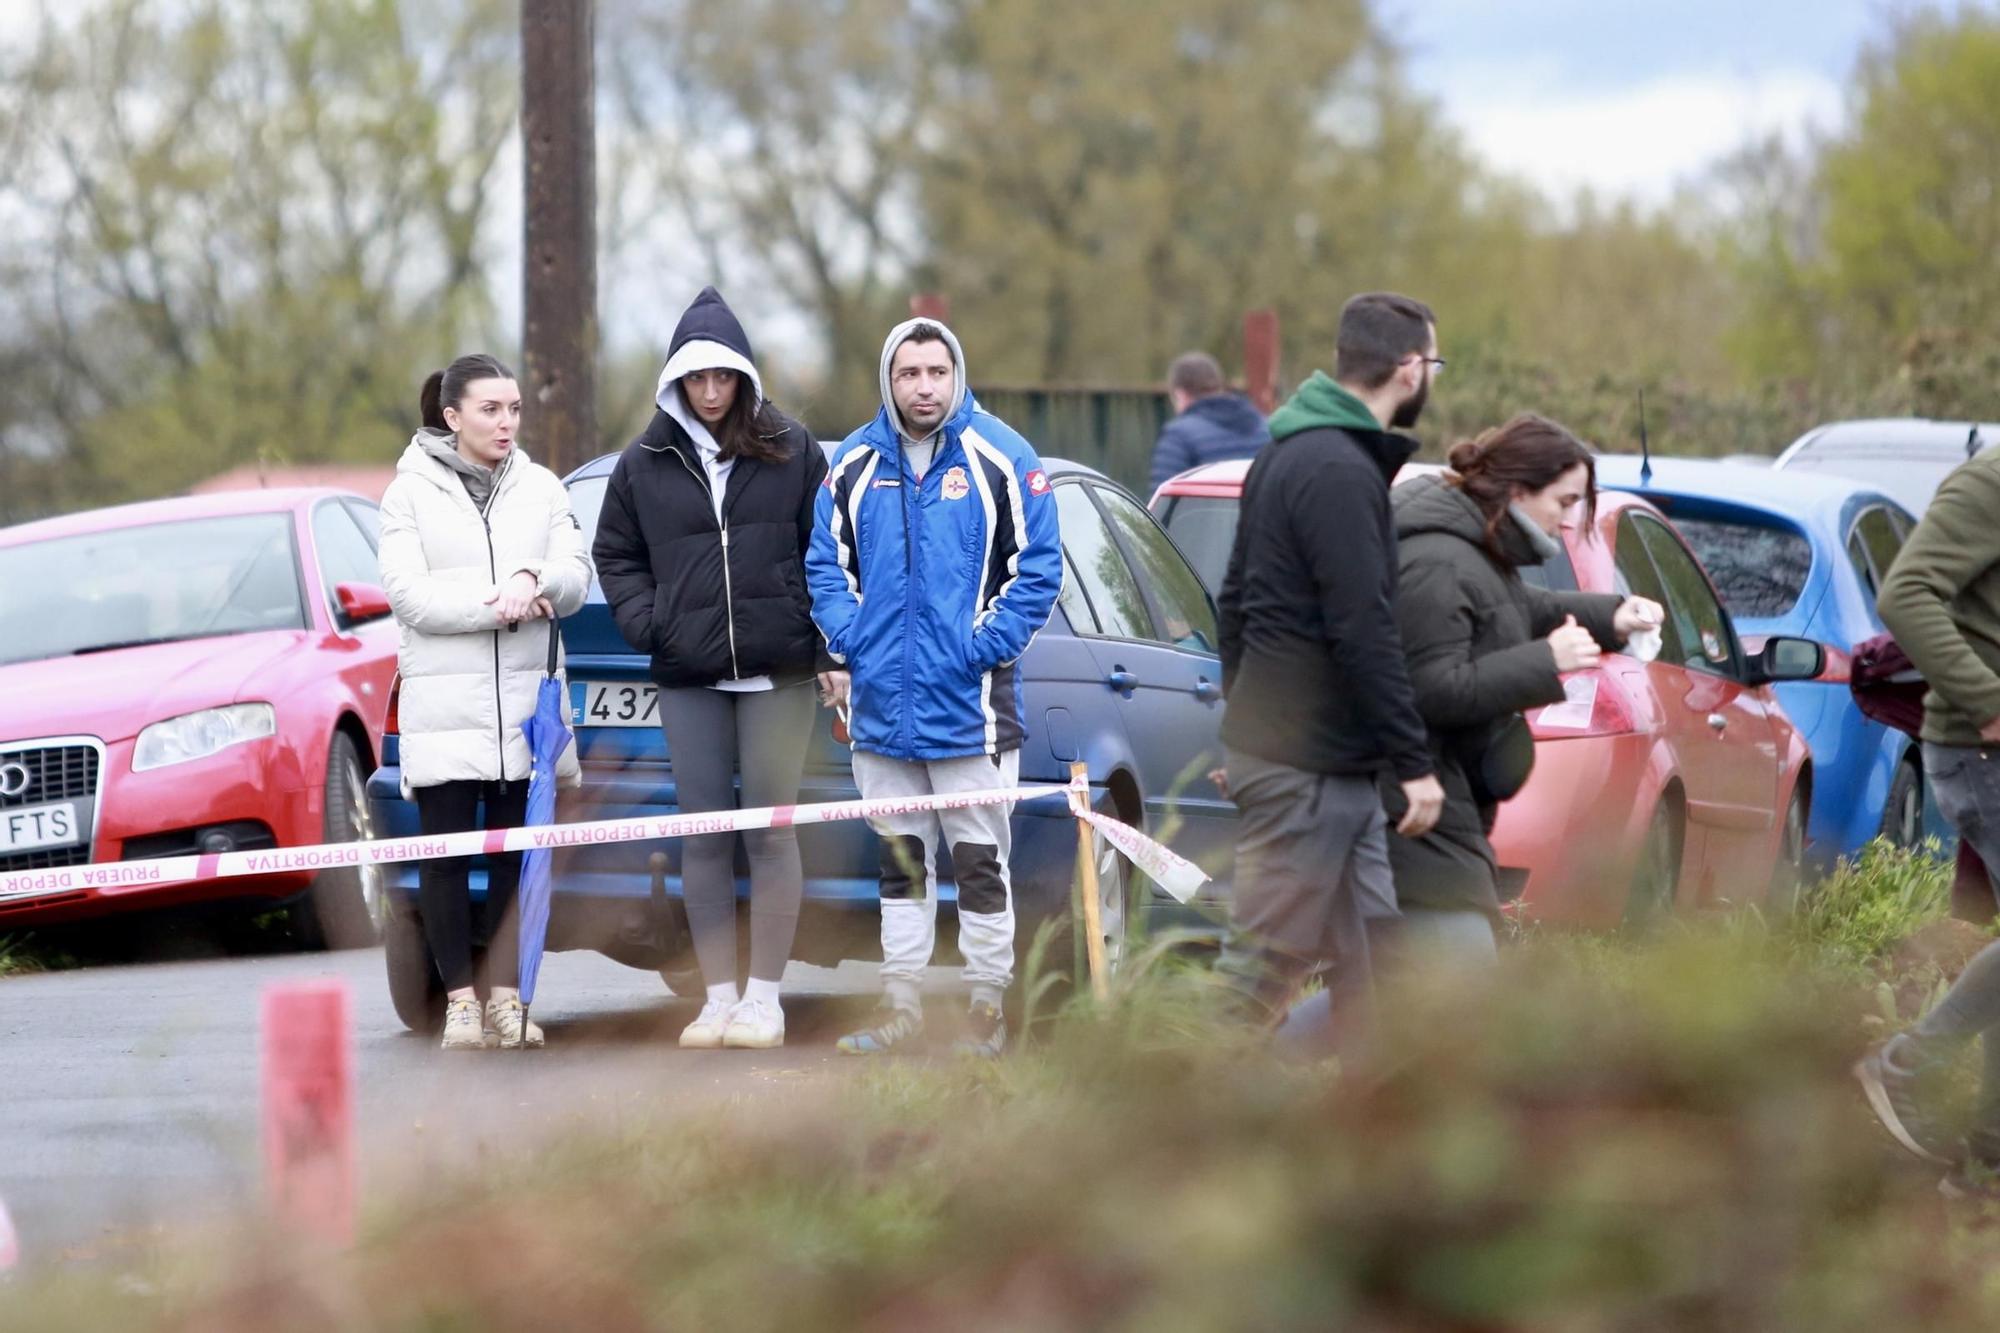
443	446
960	390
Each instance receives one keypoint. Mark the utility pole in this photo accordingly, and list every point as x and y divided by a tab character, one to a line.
559	286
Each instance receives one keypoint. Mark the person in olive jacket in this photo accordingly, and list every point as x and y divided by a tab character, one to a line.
701	550
1483	644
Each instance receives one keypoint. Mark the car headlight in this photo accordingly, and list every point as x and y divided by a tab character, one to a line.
199	735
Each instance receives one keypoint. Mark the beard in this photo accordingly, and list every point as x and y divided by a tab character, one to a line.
1407	411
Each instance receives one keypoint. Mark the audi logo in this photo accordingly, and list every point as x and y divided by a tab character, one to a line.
14	779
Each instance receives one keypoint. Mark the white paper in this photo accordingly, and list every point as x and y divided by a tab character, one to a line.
1573	713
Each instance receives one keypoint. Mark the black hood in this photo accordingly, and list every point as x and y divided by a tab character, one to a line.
1431	504
709	319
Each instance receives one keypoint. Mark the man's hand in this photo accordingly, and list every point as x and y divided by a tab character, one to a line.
1636	614
515	600
834	688
1990	733
1220	777
1426	798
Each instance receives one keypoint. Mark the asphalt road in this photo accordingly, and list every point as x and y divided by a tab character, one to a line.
129	1094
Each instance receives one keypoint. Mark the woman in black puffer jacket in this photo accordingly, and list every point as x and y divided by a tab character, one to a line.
1483	645
701	550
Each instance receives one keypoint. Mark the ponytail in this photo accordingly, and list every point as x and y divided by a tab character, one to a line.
446	388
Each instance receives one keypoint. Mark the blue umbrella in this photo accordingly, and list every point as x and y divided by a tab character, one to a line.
548	735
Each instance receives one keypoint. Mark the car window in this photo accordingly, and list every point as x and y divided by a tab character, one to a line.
344	554
1857	556
1100	568
1880	540
1759	568
1556	573
1638	578
1204	527
1075	605
369	518
1700	624
1178	594
586	501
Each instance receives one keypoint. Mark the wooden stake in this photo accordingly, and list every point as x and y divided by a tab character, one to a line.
1093	916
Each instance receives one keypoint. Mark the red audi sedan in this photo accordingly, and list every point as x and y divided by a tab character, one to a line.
203	674
1675	782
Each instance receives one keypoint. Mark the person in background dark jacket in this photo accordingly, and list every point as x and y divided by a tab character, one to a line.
1319	697
1483	644
1210	424
701	550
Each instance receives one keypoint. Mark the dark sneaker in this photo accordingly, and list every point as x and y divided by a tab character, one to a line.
894	1027
1891	1090
985	1032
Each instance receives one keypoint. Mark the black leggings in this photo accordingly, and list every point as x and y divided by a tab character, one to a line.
443	892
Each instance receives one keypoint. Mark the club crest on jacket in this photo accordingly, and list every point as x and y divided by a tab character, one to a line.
956	485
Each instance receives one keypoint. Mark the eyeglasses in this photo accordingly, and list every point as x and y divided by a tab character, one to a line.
1436	363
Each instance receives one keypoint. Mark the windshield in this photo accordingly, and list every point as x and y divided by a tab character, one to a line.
151	584
1760	570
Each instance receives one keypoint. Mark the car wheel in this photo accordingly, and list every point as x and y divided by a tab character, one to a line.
1063	967
415	988
683	981
1114	900
1658	872
1789	875
344	907
1903	815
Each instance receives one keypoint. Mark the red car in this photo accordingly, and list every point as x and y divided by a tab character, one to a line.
205	674
1674	782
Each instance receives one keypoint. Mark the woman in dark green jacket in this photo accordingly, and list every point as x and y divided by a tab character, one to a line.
1483	645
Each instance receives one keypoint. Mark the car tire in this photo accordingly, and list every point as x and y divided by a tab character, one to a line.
1903	813
1788	876
1064	966
415	989
1657	874
344	907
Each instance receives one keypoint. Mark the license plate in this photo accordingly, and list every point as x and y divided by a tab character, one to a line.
32	826
604	703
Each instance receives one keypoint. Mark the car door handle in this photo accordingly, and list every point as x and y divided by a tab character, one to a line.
1122	680
1717	722
1207	690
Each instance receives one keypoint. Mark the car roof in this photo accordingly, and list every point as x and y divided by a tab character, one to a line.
1795	495
218	504
1224	478
1892	437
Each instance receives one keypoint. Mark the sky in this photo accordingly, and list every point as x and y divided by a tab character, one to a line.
1627	98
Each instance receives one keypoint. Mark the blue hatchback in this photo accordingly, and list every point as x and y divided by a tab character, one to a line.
1801	554
1125	678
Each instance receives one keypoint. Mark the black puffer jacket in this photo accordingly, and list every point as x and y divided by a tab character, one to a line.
709	609
1475	635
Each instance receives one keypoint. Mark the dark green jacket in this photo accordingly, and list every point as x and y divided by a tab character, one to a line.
1475	635
1942	602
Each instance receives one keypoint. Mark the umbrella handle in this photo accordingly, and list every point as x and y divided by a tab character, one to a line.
555	642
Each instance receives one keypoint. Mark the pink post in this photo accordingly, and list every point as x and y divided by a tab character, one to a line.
1260	359
309	1108
10	1245
931	305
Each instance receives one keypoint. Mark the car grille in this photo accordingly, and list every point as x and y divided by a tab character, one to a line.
55	773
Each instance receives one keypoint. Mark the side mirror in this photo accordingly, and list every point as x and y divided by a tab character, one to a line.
1783	658
360	602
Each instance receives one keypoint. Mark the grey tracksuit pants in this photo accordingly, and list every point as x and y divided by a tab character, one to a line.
980	841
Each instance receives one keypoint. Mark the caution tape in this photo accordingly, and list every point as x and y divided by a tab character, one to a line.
1176	874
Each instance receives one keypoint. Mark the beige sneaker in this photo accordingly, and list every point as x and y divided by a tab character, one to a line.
463	1030
705	1033
508	1021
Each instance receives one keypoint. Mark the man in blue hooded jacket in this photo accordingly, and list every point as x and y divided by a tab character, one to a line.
934	562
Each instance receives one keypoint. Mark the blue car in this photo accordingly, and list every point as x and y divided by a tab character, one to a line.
1125	677
1799	553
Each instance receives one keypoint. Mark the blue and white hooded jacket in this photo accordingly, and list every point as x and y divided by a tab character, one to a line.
929	591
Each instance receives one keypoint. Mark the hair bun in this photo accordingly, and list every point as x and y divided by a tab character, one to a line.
1465	456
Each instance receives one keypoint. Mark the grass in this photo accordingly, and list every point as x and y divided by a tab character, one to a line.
1606	1135
20	956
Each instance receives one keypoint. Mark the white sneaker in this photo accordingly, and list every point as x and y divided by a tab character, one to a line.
705	1033
464	1029
755	1026
508	1021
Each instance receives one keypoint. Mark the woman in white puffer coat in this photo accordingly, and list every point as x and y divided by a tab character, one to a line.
480	553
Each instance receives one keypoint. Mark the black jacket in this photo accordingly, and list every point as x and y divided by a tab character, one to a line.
1212	430
1311	659
704	609
1475	634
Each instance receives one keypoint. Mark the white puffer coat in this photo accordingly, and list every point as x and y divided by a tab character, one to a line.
468	681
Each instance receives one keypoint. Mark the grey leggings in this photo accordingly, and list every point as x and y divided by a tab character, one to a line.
710	735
